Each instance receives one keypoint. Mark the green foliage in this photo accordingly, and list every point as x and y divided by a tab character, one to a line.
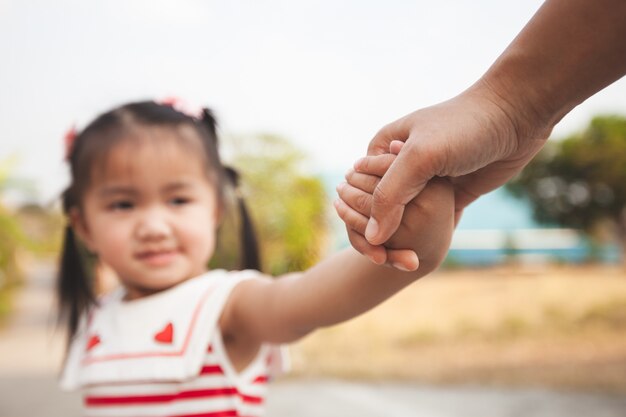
43	229
288	206
580	181
11	239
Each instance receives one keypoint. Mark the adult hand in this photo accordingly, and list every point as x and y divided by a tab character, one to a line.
471	139
567	52
428	218
354	206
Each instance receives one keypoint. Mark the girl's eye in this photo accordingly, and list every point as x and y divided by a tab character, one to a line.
121	205
179	201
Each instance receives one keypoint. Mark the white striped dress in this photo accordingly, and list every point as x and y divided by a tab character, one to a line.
127	369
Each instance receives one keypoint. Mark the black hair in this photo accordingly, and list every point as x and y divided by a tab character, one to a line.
89	150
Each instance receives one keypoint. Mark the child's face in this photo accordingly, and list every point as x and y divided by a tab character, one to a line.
151	215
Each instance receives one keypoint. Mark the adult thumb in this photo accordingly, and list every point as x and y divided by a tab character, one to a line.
400	184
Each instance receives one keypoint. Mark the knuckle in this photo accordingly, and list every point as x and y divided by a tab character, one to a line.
362	202
381	196
380	141
372	182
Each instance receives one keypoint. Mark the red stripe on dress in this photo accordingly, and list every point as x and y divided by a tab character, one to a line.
160	398
262	379
163	398
251	399
224	413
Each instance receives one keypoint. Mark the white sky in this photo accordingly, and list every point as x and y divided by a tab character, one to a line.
326	74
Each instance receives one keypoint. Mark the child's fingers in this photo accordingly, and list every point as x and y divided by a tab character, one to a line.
376	254
351	217
403	259
356	199
374	165
361	181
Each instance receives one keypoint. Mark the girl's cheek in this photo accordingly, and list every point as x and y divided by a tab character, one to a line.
116	236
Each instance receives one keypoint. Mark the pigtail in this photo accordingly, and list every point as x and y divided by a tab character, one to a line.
75	292
249	247
209	122
249	243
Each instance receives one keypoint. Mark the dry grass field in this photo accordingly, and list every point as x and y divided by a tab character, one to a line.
561	327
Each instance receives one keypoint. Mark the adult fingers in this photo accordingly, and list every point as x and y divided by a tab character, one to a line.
398	130
404	180
403	259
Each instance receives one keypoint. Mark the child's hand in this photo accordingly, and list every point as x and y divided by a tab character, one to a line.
426	226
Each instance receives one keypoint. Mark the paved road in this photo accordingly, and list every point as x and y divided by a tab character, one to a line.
30	352
38	396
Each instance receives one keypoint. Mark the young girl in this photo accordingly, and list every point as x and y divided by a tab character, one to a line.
146	197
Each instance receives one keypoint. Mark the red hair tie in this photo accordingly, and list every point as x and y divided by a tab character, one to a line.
182	106
70	138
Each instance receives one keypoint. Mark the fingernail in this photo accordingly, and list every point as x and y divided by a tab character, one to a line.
400	267
349	172
371	230
357	163
340	186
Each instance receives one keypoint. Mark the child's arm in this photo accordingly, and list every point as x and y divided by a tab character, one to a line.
344	285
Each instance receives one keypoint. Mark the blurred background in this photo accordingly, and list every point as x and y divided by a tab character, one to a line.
528	312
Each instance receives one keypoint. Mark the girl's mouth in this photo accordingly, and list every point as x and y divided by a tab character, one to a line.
157	258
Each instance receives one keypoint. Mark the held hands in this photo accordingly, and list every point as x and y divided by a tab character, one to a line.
425	228
472	139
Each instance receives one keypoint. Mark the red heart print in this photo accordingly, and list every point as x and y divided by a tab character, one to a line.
166	335
93	342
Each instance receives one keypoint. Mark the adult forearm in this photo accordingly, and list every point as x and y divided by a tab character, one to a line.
567	52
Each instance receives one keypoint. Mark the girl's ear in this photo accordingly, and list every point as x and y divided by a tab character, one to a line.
79	226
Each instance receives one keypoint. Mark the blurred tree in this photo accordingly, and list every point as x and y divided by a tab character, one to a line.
287	205
43	228
11	239
580	181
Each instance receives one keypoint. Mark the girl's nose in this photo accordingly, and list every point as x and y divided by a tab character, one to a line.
153	226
